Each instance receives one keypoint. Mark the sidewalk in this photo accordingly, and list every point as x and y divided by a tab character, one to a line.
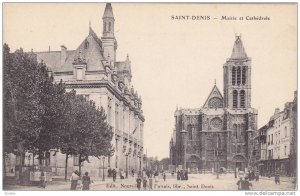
58	184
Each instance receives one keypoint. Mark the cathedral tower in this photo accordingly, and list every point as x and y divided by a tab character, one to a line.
237	78
108	38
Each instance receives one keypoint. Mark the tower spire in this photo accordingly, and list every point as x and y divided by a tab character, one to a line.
108	13
238	51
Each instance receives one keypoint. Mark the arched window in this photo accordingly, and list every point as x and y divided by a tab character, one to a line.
238	149
238	76
219	144
235	131
190	132
233	76
109	26
104	26
242	99
244	76
234	100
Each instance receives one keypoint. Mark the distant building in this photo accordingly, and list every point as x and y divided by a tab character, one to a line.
94	72
221	132
278	141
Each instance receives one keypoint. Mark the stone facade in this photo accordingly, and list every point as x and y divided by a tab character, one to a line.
278	141
94	72
221	132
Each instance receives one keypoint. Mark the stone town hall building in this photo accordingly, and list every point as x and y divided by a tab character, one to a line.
221	132
94	72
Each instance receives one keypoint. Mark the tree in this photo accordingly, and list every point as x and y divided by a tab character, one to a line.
22	111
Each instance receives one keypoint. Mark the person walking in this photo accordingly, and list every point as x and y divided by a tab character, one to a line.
145	183
114	175
74	179
239	183
246	185
277	178
43	180
138	181
164	176
178	175
86	181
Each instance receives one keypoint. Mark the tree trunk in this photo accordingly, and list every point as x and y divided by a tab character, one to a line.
79	164
66	166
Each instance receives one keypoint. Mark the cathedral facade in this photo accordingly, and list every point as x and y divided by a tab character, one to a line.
220	134
93	71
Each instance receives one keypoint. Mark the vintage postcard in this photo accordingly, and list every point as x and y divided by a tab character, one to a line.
149	96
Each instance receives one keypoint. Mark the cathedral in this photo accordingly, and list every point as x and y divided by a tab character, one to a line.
93	71
220	134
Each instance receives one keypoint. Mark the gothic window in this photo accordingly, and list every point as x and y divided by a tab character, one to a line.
216	123
242	99
234	100
238	149
233	76
109	26
244	76
215	102
238	76
190	130
235	131
243	131
104	26
219	144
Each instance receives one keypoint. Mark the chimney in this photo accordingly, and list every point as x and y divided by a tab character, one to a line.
277	110
63	54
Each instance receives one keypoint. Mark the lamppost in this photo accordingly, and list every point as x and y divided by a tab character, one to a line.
103	177
126	173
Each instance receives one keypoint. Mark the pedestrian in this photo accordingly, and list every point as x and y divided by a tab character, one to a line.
145	183
246	185
114	174
43	179
277	178
186	176
74	179
257	176
164	176
138	181
181	175
109	171
150	182
86	181
239	183
178	175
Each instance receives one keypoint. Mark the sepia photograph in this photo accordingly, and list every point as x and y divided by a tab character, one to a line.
149	97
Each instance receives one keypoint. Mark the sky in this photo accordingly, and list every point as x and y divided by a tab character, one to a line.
174	62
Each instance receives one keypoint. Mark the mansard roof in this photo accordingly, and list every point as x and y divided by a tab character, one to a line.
90	49
238	51
215	93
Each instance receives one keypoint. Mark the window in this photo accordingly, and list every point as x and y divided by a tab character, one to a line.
284	150
109	26
238	149
79	74
190	132
76	160
244	76
285	131
242	99
104	26
269	140
234	100
238	76
86	45
233	76
235	131
117	116
272	139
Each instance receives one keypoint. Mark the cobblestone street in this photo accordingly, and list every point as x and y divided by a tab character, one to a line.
207	182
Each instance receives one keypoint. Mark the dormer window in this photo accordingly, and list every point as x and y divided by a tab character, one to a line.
86	45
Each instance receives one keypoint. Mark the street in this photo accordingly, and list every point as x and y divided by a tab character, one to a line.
205	182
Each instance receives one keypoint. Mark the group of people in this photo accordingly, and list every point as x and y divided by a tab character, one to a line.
85	180
182	175
146	180
243	184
